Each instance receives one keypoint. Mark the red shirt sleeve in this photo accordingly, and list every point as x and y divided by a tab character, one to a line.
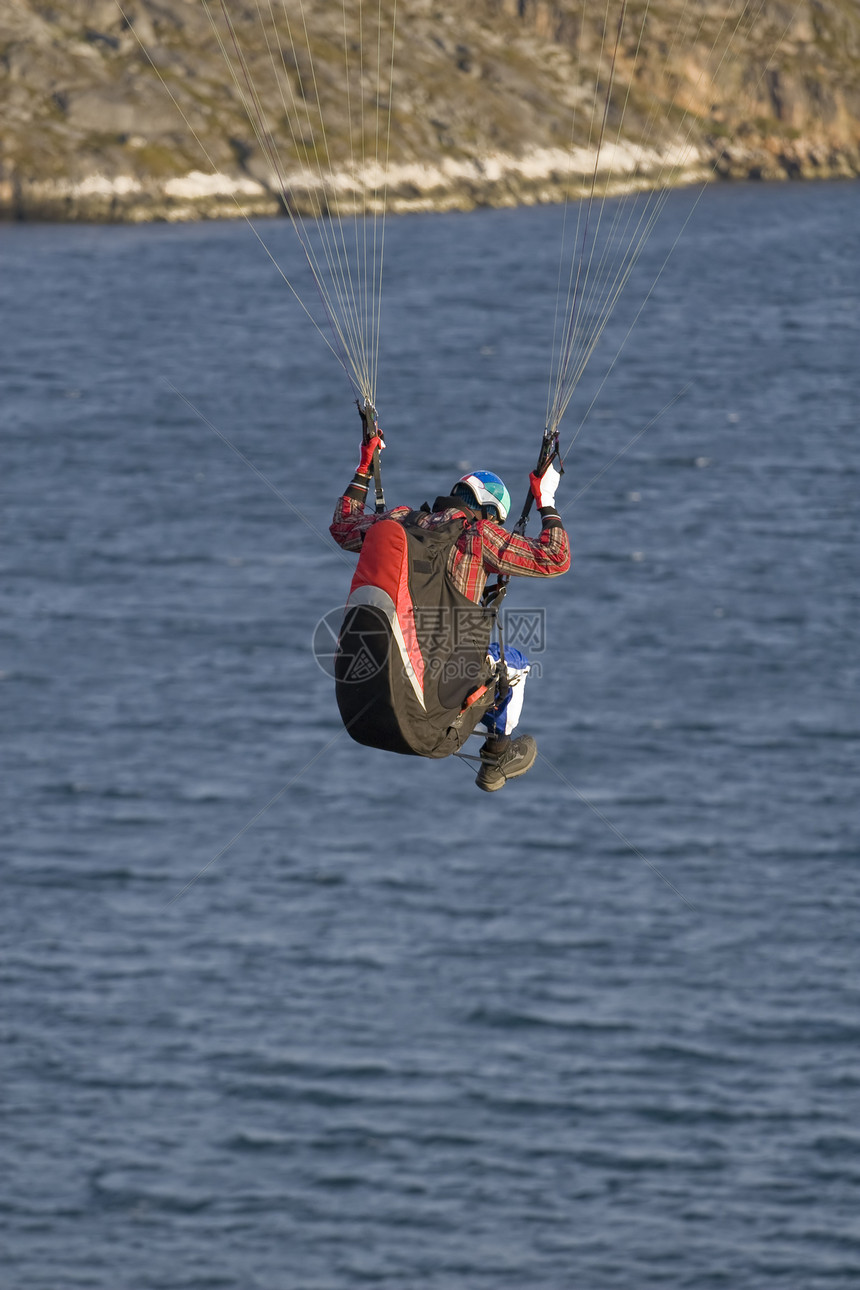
508	553
351	522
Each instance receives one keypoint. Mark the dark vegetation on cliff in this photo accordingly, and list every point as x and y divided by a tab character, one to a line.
481	99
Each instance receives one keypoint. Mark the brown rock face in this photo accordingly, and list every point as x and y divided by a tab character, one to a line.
130	110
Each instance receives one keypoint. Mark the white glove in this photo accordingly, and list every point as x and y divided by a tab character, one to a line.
544	486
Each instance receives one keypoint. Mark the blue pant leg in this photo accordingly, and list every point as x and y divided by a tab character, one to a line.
495	718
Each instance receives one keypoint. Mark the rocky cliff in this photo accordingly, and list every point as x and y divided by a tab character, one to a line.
128	110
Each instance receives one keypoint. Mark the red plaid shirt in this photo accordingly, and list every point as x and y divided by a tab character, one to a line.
483	547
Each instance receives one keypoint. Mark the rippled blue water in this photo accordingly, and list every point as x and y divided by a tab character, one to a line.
599	1030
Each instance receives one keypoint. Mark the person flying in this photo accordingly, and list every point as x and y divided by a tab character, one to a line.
474	511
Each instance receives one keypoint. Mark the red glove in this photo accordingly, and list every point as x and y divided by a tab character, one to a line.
367	451
543	486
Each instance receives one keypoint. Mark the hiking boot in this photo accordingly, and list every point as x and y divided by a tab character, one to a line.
498	766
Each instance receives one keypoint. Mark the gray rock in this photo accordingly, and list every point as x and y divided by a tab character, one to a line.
105	116
114	111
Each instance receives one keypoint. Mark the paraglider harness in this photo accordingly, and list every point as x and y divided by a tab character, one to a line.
412	670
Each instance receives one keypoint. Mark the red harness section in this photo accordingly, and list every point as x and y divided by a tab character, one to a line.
385	564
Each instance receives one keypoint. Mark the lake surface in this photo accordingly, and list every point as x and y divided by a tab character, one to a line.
599	1030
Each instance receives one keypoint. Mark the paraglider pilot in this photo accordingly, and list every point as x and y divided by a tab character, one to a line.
480	502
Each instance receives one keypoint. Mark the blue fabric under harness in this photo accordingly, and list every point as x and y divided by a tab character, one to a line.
494	717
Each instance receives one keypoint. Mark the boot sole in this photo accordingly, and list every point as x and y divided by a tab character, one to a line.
495	785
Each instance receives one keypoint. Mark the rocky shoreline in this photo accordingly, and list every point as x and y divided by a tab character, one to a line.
477	108
497	182
500	180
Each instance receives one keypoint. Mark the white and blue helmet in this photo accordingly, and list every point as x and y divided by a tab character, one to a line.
483	489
